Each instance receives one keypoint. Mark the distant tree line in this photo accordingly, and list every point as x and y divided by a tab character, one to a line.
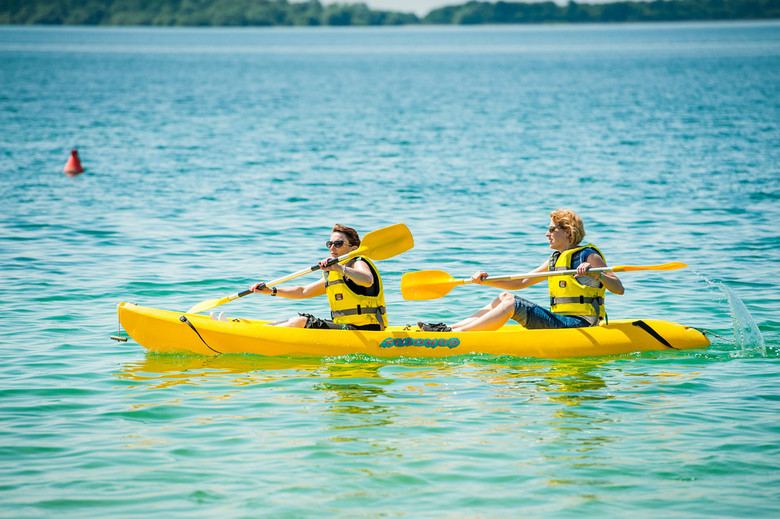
312	12
194	13
657	10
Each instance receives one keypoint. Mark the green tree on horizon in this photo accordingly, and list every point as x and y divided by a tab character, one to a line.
311	13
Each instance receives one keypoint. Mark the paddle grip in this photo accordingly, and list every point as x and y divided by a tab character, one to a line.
330	262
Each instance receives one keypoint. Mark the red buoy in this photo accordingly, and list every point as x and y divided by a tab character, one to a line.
73	166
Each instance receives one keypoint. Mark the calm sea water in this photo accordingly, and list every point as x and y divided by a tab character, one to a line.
216	158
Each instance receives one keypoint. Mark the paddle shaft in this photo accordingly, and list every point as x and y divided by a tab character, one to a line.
616	268
546	274
294	275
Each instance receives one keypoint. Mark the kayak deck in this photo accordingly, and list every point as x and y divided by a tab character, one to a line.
175	332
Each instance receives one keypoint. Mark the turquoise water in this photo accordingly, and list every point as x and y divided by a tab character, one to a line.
216	158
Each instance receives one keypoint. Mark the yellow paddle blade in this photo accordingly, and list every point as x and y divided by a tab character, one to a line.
665	266
385	243
427	284
207	305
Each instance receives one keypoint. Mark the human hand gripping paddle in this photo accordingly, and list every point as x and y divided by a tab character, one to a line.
433	284
377	245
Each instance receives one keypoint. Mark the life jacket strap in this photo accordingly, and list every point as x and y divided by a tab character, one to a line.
580	299
358	310
595	302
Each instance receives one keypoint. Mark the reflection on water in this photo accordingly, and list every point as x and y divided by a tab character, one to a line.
355	379
573	413
571	380
169	370
356	390
157	371
574	393
357	400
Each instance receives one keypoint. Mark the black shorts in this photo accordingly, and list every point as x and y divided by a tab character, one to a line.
324	324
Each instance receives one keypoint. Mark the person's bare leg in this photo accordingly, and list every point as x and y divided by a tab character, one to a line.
298	321
490	317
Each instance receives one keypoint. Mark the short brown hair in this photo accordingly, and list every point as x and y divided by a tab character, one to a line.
571	224
352	236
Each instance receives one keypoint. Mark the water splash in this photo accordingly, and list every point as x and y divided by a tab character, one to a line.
746	333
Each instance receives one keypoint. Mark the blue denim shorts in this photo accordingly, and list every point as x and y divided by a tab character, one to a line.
534	317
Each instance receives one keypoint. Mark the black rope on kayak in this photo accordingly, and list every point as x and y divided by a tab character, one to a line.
704	332
646	327
184	319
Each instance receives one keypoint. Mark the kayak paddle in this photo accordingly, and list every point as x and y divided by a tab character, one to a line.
433	284
377	245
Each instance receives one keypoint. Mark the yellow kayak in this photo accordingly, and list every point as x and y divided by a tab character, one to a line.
175	332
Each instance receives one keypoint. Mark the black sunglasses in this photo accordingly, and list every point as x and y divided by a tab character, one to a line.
337	243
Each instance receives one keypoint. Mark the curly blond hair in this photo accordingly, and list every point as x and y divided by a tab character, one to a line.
571	224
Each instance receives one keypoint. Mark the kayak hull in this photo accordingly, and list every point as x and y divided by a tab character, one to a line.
164	331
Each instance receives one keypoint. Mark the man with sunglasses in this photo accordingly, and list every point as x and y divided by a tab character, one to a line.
354	289
576	300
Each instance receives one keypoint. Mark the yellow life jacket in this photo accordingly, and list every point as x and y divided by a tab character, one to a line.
569	296
352	304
